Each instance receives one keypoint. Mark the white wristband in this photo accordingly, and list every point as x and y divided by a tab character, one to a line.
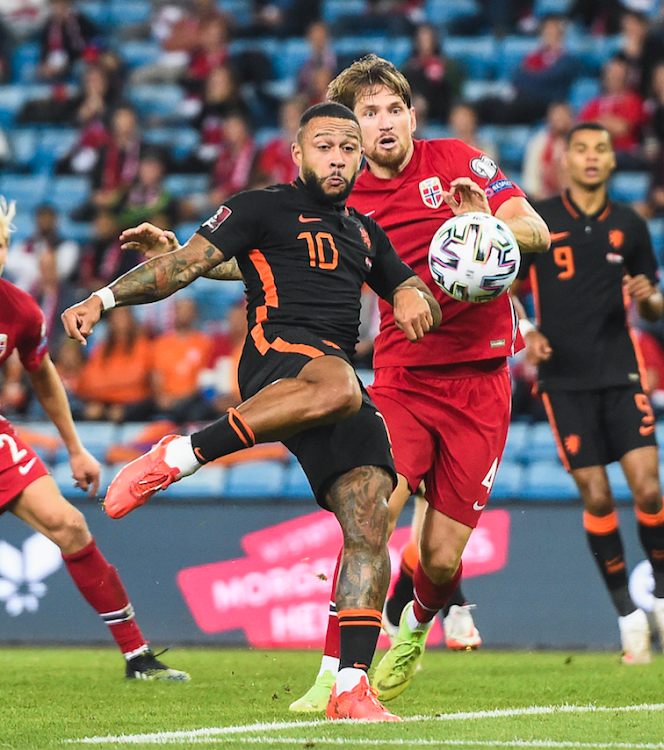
107	298
525	326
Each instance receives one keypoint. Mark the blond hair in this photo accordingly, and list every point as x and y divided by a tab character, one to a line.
368	73
7	213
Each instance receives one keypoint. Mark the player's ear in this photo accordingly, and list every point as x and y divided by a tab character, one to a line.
413	120
296	153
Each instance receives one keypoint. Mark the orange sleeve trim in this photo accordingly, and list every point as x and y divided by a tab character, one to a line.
649	519
554	428
600	525
239	424
534	286
360	617
410	556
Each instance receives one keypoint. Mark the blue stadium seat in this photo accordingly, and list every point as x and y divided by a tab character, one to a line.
582	90
540	444
296	483
398	50
157	101
24	143
290	57
186	184
208	482
629	186
96	10
443	11
255	479
24	62
512	141
619	486
544	7
353	47
215	297
136	53
24	224
509	481
179	141
77	231
334	9
12	97
184	231
96	437
53	144
127	12
478	55
68	191
27	190
548	480
517	439
656	227
239	9
512	50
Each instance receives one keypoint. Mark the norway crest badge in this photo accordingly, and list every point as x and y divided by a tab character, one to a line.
432	192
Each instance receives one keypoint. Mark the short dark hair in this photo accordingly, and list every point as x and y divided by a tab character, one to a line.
587	126
328	109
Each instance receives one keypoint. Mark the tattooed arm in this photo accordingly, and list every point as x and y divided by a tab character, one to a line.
151	241
528	226
150	281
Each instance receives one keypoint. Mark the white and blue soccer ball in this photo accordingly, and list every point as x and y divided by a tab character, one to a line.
474	257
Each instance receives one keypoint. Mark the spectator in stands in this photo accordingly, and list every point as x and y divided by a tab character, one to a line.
115	382
282	18
148	196
431	74
22	267
641	49
64	39
232	170
178	28
496	18
463	125
543	76
654	202
599	17
543	174
117	166
274	163
22	19
102	258
222	98
621	111
179	358
69	363
6	47
321	57
209	54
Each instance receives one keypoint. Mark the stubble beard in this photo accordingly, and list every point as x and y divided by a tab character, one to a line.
315	184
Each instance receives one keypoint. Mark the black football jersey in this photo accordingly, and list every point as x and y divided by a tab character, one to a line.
304	263
577	288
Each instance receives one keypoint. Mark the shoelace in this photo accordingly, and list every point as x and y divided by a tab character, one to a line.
406	652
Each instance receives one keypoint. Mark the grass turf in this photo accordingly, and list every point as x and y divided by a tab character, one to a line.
48	696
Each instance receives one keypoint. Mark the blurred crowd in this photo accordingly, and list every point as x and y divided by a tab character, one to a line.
241	112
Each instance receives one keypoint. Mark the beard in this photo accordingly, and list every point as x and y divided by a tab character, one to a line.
315	184
388	159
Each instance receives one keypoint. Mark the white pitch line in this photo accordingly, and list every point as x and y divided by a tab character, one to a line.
455	743
203	735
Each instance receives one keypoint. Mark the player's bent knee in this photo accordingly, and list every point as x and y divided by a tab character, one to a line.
70	531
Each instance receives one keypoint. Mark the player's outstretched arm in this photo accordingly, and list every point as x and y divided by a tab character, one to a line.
151	241
53	398
150	281
416	311
527	225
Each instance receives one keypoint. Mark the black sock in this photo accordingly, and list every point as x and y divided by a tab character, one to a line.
457	598
358	635
652	540
609	555
227	435
402	594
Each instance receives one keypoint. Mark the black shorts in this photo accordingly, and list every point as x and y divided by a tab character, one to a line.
595	428
329	451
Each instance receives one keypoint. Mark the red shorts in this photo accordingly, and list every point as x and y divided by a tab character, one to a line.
20	466
448	427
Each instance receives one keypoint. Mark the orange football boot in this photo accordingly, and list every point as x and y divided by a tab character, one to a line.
358	703
139	480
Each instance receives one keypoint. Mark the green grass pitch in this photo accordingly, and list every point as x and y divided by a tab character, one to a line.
78	698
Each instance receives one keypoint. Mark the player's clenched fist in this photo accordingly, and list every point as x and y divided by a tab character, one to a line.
415	309
79	320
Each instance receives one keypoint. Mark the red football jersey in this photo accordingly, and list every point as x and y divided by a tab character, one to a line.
21	326
410	208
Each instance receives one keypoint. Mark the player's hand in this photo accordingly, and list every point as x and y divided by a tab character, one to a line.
412	313
465	196
86	471
149	240
638	287
79	320
538	348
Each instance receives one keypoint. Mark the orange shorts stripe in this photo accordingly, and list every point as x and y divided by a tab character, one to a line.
554	429
279	345
600	525
410	556
649	519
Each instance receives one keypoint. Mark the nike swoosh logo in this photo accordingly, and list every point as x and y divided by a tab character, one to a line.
555	236
23	470
307	219
477	506
368	213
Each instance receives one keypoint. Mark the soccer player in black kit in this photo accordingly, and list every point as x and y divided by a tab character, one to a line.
304	258
588	371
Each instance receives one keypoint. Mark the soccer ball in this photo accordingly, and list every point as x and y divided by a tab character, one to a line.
474	257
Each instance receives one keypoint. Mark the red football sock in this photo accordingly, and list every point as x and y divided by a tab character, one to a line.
332	635
430	598
102	589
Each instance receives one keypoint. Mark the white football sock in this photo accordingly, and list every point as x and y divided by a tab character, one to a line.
348	678
414	624
329	664
180	455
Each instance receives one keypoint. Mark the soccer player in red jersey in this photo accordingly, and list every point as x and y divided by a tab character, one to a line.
446	401
304	257
589	369
29	492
